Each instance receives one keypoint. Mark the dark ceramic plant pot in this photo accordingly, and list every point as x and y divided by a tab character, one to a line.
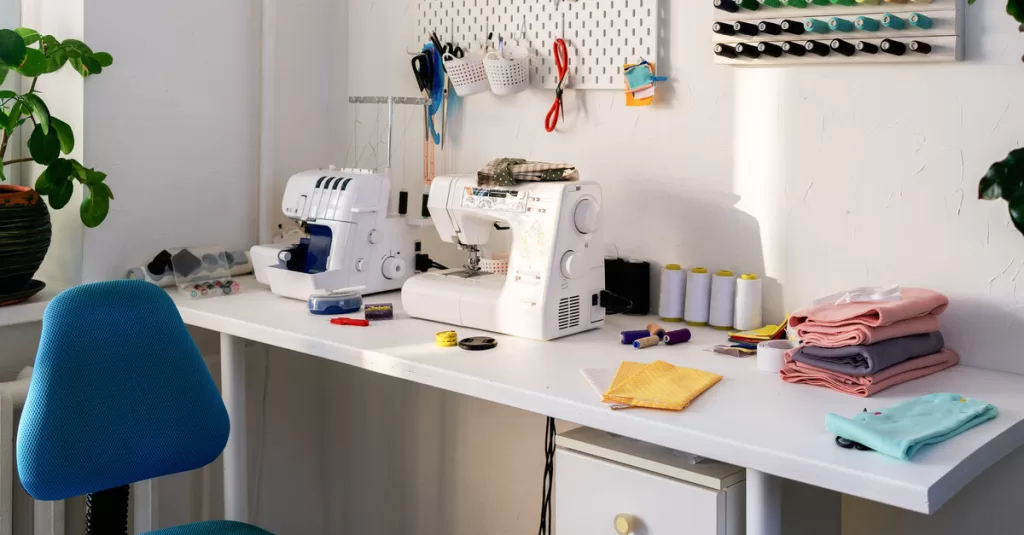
24	236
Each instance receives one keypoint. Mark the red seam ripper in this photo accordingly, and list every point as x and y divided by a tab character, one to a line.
350	321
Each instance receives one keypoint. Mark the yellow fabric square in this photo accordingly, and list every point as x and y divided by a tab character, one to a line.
626	370
661	385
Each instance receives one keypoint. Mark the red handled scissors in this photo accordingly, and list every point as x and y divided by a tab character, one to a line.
561	53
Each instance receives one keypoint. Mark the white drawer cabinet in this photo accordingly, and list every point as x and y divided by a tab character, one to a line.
599	476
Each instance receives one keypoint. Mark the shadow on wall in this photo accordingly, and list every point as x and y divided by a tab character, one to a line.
698	228
977	323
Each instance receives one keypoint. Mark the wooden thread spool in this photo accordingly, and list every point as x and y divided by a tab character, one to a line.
644	343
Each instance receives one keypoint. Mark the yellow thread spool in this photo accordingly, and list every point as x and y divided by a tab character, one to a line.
446	339
656	330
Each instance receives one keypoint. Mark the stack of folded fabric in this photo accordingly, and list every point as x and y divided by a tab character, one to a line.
862	348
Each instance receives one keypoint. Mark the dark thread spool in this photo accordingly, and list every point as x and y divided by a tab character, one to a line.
628	337
384	311
403	202
677	337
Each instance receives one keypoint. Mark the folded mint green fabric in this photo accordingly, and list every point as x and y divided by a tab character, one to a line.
901	430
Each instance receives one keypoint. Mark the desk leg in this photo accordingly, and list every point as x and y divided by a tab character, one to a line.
236	483
764	504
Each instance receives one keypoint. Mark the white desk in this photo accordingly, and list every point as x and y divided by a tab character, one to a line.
750	418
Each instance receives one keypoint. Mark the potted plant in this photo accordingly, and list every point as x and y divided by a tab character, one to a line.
1005	179
24	217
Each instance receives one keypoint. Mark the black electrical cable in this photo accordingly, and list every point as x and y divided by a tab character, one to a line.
546	510
615	303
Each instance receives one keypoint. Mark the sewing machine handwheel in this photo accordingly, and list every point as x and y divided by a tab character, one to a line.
587	215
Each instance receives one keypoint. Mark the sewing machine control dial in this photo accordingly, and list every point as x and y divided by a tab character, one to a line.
372	237
572	265
586	216
359	264
393	267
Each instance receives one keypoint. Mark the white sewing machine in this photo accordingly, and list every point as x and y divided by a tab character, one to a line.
352	242
556	263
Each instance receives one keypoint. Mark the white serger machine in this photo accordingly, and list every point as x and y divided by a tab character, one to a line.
352	243
556	262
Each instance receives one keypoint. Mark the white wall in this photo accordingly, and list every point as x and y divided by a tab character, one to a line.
174	125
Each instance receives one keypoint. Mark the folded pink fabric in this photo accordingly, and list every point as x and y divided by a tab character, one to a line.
797	373
814	334
914	303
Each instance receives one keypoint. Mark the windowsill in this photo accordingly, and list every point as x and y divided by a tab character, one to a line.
29	311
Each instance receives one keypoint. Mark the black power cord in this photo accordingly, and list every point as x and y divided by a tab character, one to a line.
547	526
614	303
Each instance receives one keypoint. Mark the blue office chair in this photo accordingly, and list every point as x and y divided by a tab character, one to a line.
120	394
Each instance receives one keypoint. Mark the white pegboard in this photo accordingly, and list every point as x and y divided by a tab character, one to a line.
602	35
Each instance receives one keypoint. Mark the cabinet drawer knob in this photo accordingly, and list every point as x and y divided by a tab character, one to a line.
624	524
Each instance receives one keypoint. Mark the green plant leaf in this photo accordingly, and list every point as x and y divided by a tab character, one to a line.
55	61
105	60
29	35
60	194
34	64
14	118
3	74
72	53
1004	178
1015	8
44	148
12	48
76	63
91	65
1017	212
7	94
55	180
2	177
43	185
78	45
39	110
95	204
94	177
3	119
64	134
990	188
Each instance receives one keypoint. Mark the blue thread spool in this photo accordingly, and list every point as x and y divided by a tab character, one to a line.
816	26
893	22
921	21
628	337
866	24
840	25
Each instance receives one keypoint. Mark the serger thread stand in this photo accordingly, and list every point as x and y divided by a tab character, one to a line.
391	102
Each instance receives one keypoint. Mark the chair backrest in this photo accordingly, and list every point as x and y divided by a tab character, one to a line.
120	394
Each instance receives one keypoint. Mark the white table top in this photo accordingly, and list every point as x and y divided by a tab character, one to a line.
751	418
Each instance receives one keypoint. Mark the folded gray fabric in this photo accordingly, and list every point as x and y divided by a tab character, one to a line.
861	361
